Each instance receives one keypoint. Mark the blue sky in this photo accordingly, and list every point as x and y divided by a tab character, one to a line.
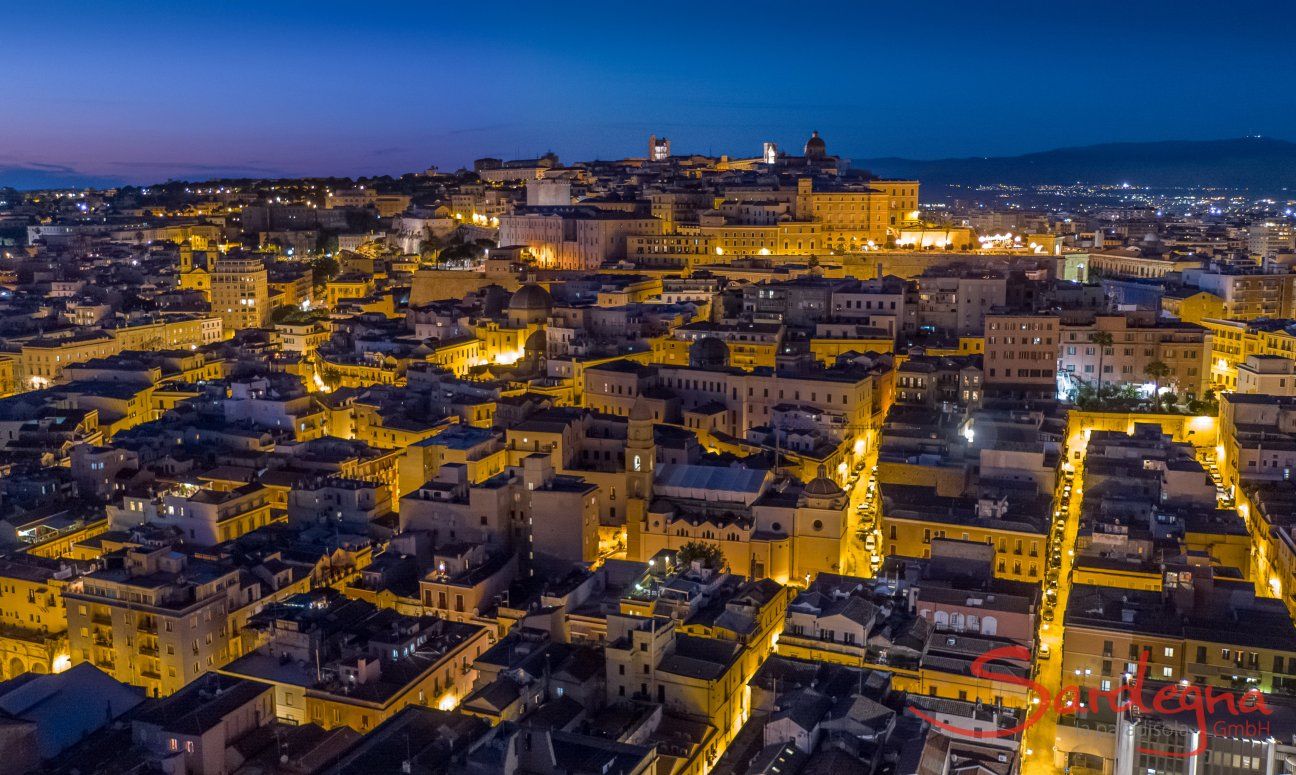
144	91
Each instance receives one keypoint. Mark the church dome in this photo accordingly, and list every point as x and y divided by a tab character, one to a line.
530	298
822	487
709	352
815	147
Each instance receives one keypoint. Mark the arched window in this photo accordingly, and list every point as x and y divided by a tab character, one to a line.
989	625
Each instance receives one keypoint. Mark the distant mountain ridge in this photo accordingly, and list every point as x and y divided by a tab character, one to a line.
41	176
1260	164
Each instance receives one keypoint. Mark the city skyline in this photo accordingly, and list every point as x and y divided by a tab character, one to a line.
648	389
295	90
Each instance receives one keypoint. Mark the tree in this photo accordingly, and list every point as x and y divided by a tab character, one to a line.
1086	396
1209	404
326	242
707	555
324	269
1104	340
430	249
283	313
1126	394
1156	371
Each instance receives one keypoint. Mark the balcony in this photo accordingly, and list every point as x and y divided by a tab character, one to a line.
148	651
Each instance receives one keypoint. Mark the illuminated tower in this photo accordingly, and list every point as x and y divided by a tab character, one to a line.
658	148
641	451
770	153
240	294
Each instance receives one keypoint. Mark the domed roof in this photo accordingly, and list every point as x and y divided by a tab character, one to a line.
709	351
815	148
530	297
822	487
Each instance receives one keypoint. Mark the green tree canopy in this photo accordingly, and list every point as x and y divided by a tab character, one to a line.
708	555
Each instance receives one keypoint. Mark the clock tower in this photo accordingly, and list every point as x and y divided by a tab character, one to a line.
640	459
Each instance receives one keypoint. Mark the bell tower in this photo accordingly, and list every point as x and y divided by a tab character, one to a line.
640	457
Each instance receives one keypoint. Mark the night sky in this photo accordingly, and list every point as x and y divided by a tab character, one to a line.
143	91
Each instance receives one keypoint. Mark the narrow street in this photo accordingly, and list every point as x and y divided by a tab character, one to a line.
862	511
1039	744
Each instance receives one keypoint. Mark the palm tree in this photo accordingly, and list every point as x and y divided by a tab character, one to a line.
1156	371
1103	339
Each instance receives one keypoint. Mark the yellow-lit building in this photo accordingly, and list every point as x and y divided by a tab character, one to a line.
503	344
757	607
148	624
8	375
848	219
701	679
457	354
240	292
1234	340
1193	308
303	338
382	432
821	628
339	371
424	661
477	449
1232	642
1111	575
347	286
197	235
43	360
197	279
181	334
831	219
914	515
292	288
69	543
750	345
33	624
940	238
828	350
